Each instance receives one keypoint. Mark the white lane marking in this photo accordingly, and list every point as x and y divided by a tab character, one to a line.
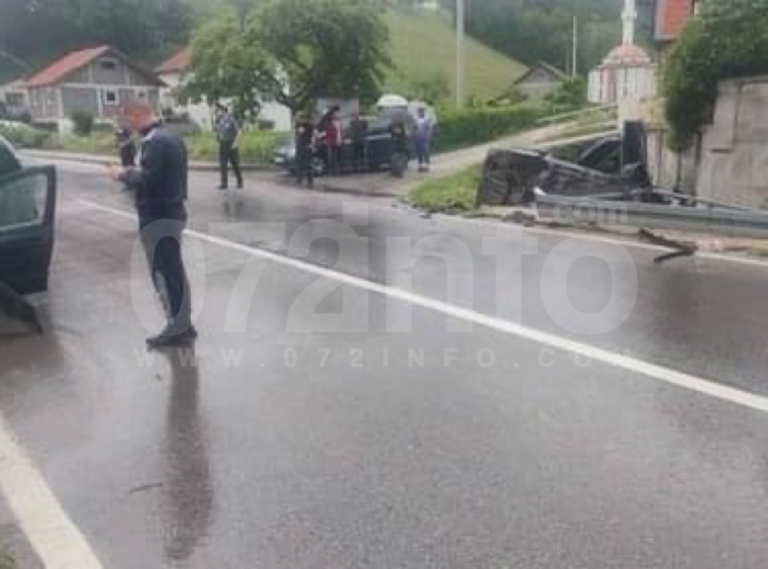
660	373
56	540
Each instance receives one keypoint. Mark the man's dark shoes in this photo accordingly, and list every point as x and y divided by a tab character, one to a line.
172	338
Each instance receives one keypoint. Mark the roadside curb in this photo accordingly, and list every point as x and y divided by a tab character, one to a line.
331	189
755	250
195	165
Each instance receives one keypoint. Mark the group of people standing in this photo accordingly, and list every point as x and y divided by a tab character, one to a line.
328	135
308	136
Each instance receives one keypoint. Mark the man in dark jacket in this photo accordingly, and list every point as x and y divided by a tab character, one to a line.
304	136
228	135
160	186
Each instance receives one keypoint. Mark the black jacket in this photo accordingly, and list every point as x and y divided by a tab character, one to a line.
160	181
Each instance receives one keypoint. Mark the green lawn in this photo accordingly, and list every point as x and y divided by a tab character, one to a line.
457	192
424	43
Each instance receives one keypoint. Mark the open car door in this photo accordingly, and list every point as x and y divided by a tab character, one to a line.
27	208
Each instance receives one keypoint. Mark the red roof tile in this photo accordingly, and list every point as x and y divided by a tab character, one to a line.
626	55
671	17
64	66
179	61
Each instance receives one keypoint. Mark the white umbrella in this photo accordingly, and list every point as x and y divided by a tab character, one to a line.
390	101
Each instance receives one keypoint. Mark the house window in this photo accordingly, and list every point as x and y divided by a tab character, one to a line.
110	97
141	94
108	64
14	99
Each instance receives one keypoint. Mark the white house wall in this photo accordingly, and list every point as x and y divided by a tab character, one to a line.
202	113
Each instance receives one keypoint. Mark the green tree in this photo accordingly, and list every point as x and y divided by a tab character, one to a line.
726	40
41	29
294	51
569	96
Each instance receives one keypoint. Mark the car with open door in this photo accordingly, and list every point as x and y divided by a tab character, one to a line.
27	208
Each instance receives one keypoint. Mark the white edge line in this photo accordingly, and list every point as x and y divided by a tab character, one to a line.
52	535
660	373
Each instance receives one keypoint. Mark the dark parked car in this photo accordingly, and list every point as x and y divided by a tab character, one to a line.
27	205
379	150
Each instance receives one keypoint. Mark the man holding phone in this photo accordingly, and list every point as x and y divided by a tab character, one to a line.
160	187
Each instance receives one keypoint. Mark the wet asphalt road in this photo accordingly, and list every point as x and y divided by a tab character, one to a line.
300	441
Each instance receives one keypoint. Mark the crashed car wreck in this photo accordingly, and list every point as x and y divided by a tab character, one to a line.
603	165
608	185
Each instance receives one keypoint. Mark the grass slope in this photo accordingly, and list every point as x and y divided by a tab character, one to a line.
424	43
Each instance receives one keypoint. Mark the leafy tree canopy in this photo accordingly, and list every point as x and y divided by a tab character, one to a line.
728	39
294	51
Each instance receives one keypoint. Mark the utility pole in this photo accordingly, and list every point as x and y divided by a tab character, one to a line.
575	62
460	53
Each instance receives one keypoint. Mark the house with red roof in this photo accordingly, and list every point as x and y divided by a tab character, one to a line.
671	17
176	69
96	81
173	72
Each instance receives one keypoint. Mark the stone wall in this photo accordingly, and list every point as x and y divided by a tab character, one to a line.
734	158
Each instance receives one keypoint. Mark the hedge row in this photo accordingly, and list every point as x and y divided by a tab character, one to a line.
460	129
22	135
256	147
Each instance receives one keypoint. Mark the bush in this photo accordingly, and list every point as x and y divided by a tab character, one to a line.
728	39
97	143
570	95
459	129
256	147
453	193
22	135
83	123
104	128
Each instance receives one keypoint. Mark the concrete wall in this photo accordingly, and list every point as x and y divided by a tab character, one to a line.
670	170
734	161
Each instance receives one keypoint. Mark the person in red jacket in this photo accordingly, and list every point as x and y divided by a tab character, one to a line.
330	126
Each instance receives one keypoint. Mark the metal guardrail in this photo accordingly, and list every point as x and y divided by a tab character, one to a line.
586	111
719	220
